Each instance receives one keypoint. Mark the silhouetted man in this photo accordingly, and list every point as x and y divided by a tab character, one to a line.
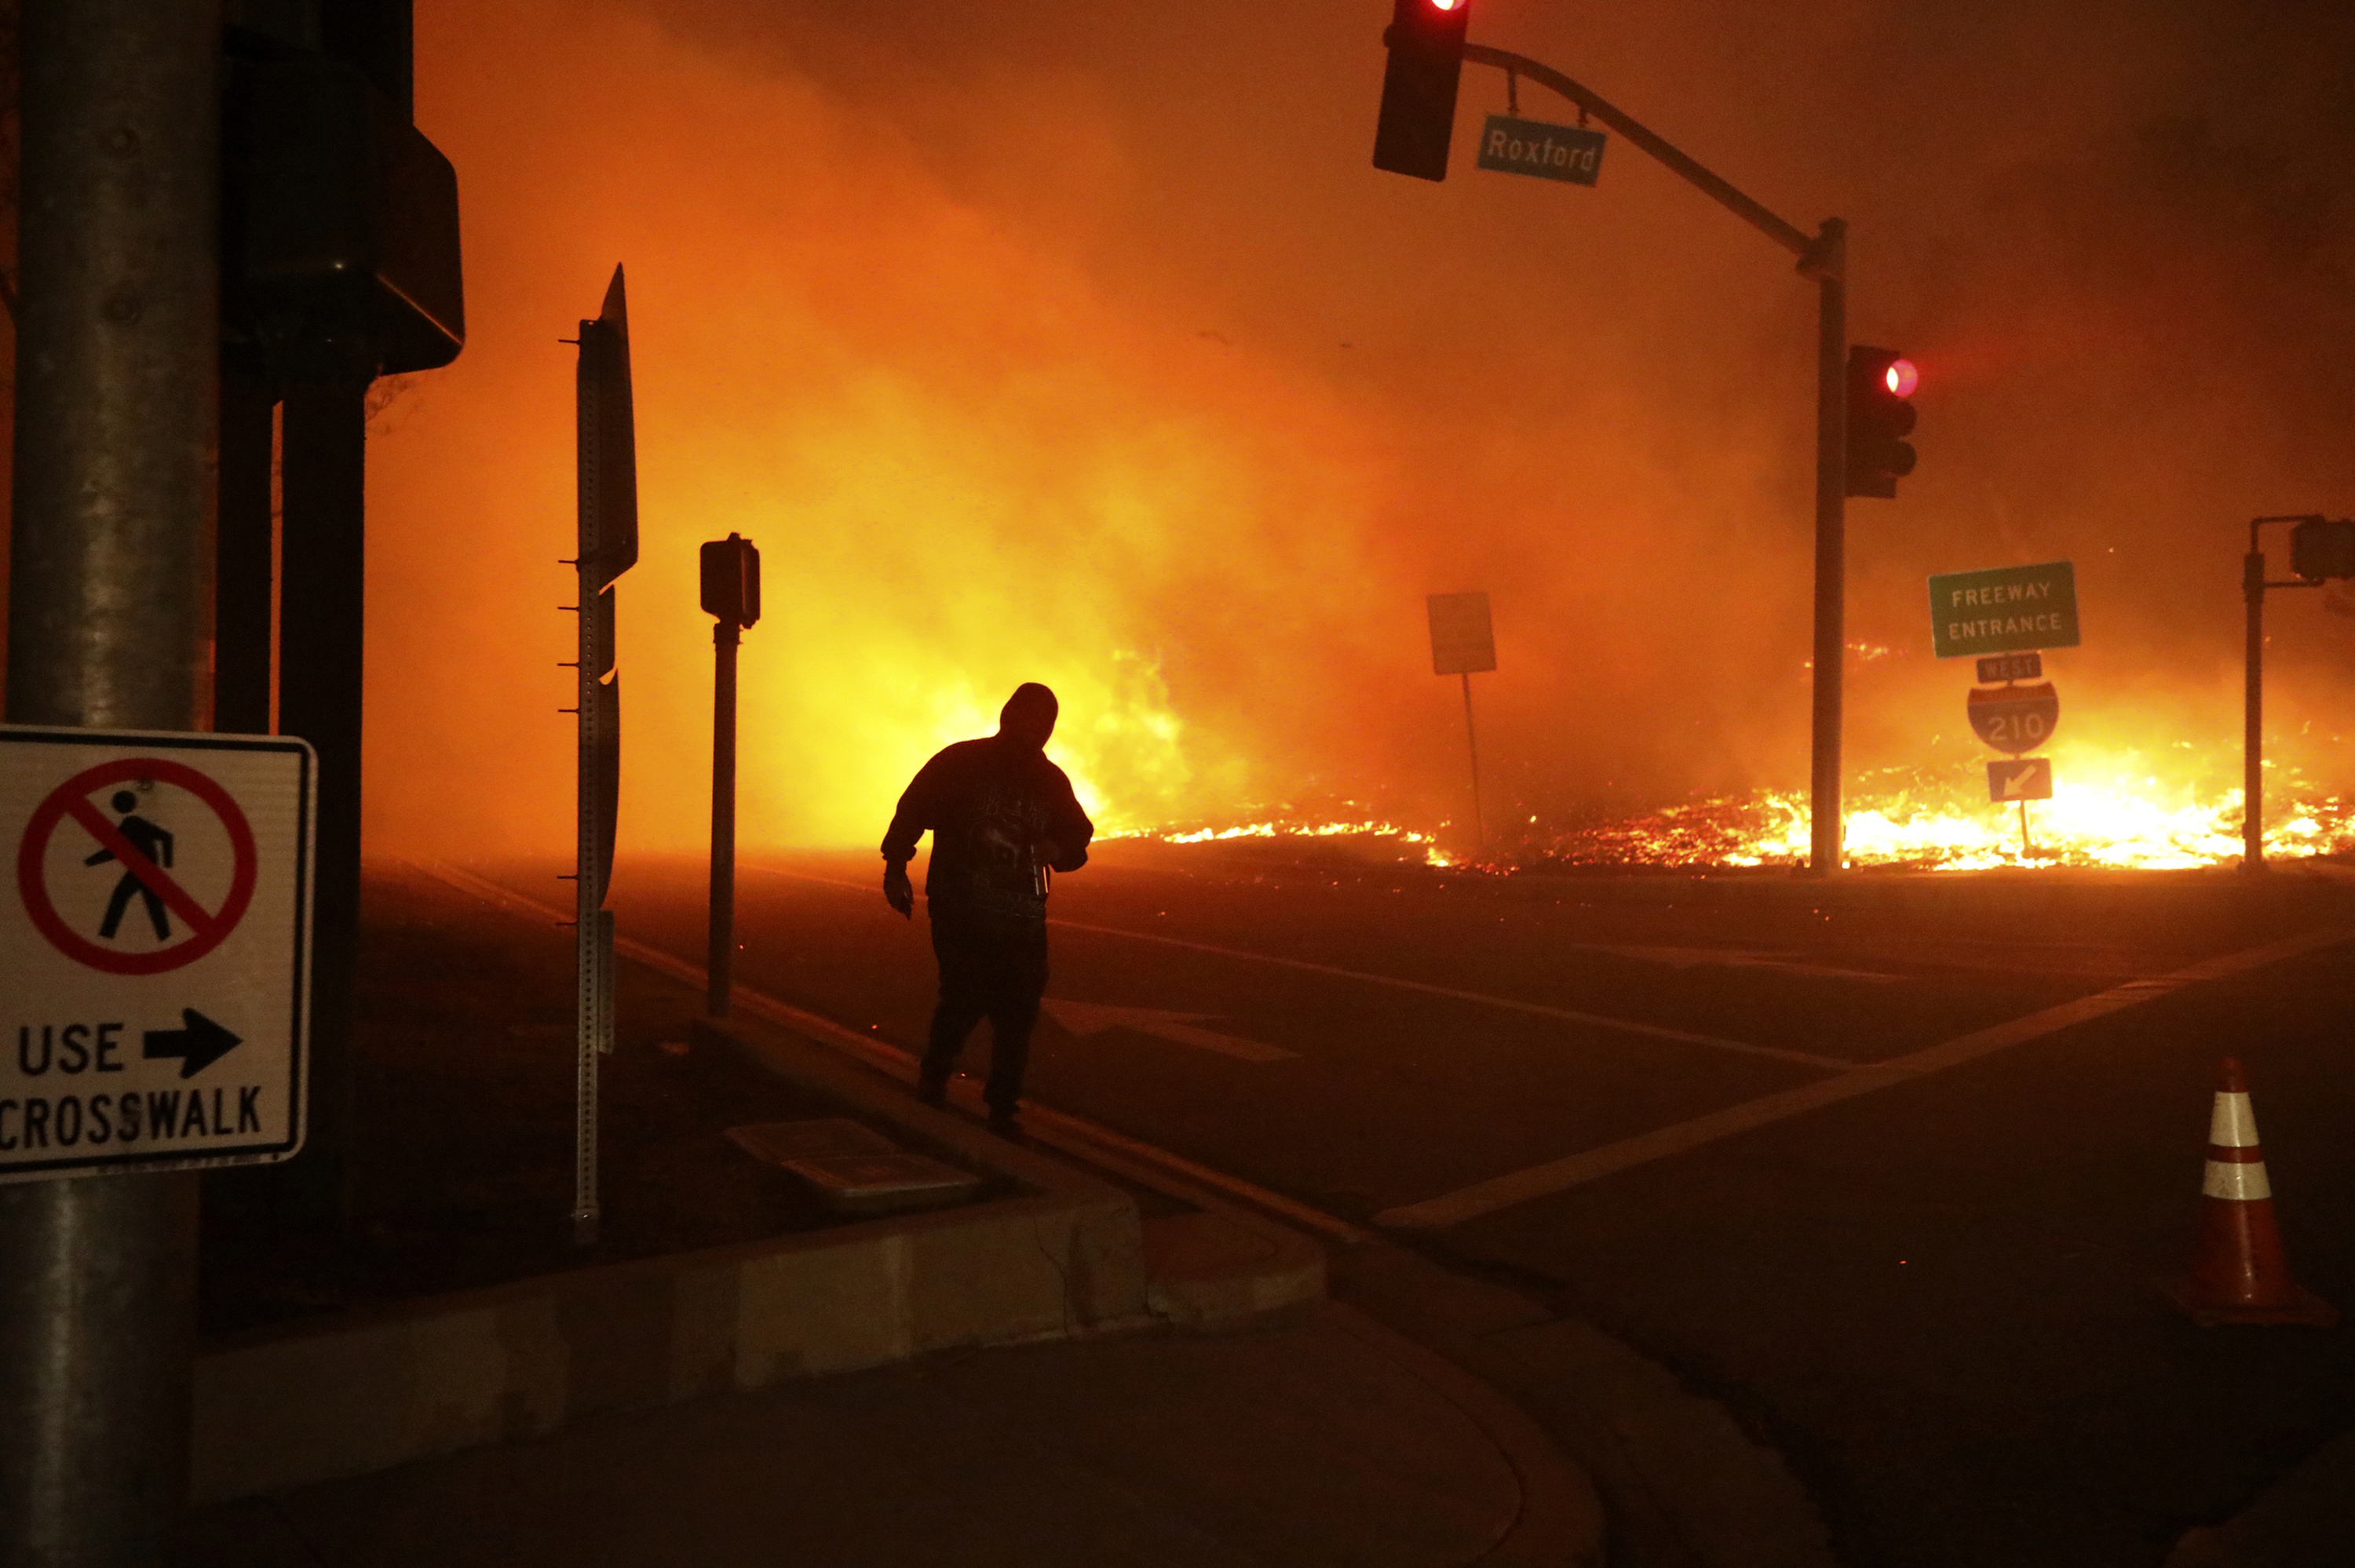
156	846
1002	817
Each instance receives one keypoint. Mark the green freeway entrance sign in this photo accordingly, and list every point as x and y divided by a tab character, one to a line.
2006	609
1534	147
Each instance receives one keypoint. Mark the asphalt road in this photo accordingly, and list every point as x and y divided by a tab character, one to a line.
1890	1167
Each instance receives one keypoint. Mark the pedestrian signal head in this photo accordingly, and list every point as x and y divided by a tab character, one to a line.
1418	115
731	580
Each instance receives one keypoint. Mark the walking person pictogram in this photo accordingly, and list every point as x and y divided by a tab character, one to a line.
151	840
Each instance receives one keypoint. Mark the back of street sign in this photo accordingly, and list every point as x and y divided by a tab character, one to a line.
1462	641
155	937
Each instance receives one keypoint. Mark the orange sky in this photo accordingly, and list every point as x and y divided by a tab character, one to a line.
1088	348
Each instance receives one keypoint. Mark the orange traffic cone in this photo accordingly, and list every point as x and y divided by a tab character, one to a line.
2238	1274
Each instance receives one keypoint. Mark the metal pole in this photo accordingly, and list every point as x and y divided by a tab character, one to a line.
323	606
1829	262
1471	742
719	965
2252	733
244	637
110	627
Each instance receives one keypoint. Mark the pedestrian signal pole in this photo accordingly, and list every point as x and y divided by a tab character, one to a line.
731	591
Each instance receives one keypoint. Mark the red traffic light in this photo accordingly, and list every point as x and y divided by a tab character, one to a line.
1445	5
1879	419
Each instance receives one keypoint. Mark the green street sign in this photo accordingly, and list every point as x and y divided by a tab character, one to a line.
1534	147
2006	609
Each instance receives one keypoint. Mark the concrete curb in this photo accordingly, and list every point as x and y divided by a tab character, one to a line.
1560	1523
1211	1269
364	1390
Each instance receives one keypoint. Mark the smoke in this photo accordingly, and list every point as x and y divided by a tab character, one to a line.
1084	345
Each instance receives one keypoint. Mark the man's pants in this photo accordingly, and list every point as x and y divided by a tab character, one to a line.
994	967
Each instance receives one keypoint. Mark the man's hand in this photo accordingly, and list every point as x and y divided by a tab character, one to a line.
898	891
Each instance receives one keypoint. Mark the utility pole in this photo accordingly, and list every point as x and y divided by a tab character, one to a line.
2319	550
731	591
110	624
1828	262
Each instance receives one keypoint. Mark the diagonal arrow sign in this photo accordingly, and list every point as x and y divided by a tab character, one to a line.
1084	1018
199	1046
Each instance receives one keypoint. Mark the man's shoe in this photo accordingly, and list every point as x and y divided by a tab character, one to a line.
933	1095
1006	1123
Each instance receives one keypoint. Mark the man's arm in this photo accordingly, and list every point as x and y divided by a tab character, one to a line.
914	814
1069	832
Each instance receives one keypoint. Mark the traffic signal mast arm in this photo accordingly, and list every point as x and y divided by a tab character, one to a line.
1812	254
1411	139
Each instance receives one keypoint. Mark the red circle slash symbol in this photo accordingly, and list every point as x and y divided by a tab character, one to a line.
206	929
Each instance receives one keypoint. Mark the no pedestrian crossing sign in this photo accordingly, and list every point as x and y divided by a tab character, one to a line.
154	949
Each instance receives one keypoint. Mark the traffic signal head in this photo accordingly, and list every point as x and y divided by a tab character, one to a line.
2322	548
1880	418
1426	44
731	580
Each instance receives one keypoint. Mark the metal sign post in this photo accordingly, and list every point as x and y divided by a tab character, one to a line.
608	469
731	591
1463	643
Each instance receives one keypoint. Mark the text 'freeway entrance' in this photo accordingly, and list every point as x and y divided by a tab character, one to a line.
2004	610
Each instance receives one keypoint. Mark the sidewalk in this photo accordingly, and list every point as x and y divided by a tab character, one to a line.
1231	1415
2305	1520
1317	1438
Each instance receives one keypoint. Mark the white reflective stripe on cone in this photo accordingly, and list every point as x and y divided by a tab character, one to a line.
2239	1182
2234	1125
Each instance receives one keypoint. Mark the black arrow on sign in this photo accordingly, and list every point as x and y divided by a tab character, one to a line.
199	1046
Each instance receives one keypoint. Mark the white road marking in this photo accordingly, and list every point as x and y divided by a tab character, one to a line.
1091	1018
1507	1004
1560	1175
1741	958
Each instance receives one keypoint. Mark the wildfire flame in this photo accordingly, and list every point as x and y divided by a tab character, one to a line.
2129	818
